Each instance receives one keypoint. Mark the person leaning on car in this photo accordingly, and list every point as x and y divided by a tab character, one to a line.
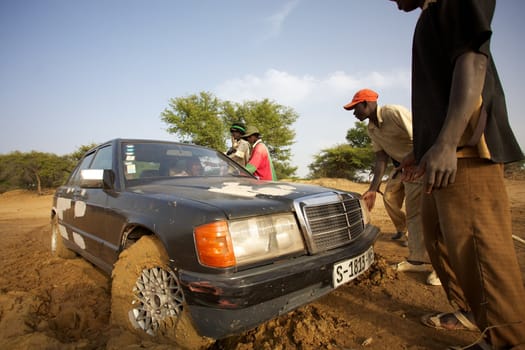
390	128
240	149
260	163
462	138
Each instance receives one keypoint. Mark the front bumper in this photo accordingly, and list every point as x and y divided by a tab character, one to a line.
224	305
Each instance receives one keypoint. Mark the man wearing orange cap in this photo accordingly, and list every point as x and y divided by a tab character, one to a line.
390	128
394	193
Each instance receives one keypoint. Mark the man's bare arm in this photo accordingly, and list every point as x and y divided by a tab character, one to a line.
439	164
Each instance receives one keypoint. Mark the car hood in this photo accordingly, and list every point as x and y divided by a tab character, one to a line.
242	196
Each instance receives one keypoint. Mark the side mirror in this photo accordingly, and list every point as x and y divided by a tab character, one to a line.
97	178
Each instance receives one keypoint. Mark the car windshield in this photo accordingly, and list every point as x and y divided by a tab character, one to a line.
153	160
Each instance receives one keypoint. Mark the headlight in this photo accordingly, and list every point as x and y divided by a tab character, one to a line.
240	242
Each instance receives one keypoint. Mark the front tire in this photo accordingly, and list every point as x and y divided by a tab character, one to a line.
146	296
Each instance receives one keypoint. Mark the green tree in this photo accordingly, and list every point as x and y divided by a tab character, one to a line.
273	121
358	136
37	170
43	170
197	119
33	170
79	153
204	120
347	161
9	176
341	161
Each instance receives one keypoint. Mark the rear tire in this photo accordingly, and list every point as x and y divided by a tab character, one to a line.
58	247
147	299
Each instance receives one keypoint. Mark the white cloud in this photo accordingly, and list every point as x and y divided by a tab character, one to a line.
276	20
322	122
279	86
288	89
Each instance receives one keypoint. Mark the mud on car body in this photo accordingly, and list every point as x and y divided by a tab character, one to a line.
195	258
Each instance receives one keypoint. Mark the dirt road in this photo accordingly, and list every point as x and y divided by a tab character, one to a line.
51	303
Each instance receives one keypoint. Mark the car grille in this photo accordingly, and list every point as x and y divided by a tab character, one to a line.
331	221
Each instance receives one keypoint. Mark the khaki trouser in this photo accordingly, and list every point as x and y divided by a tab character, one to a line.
393	200
416	241
468	235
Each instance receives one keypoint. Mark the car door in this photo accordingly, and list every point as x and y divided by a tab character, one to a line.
92	214
70	204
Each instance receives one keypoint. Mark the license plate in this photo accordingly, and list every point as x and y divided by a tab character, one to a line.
347	270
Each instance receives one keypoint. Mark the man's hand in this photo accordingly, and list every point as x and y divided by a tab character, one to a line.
408	168
439	166
369	197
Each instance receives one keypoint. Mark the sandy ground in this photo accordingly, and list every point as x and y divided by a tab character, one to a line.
51	303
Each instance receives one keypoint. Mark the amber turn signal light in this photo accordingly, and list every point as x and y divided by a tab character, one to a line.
214	245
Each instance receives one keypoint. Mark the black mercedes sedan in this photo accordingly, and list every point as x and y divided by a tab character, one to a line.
197	248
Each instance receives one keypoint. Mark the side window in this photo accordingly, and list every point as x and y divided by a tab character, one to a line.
74	180
142	160
103	159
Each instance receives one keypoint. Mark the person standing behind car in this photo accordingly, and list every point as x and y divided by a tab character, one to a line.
462	138
240	149
390	129
260	163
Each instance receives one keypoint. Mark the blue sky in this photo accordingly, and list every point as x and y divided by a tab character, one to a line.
74	72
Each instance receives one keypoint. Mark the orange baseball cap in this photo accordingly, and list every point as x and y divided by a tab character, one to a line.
361	96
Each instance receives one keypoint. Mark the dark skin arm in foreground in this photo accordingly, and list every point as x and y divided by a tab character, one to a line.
438	165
